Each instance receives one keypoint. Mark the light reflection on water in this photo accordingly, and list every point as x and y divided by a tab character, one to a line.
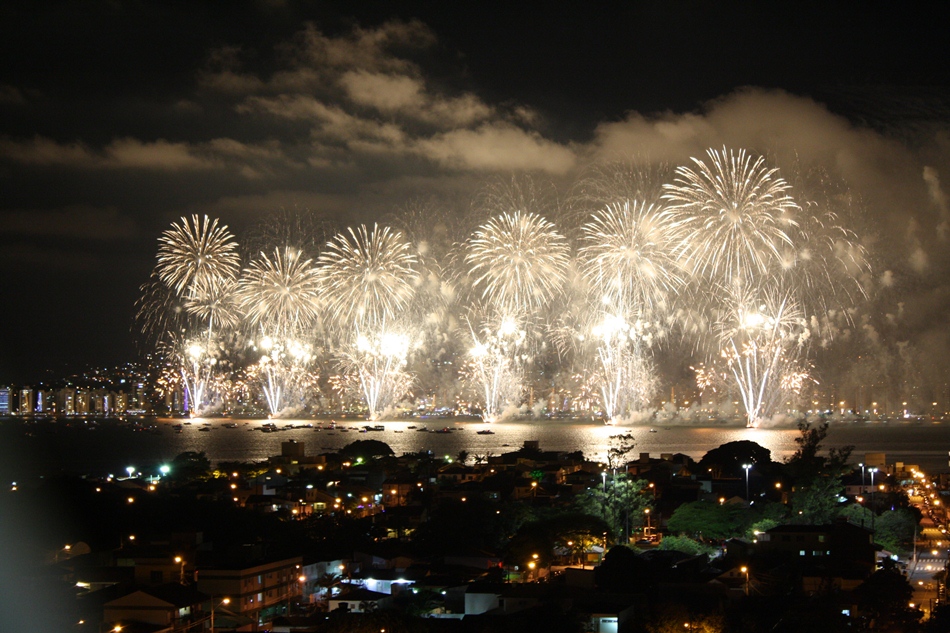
113	448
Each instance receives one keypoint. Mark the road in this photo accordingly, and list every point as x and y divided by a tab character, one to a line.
926	568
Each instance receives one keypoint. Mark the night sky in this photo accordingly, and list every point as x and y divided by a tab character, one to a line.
117	118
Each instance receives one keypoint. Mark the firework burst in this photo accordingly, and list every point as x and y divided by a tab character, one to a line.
280	295
193	251
368	277
519	261
736	214
629	256
215	302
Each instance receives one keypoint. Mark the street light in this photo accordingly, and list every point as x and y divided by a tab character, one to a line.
745	570
862	478
873	470
290	591
224	601
746	467
604	476
646	534
181	561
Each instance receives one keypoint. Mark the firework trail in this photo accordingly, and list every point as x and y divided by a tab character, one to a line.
198	262
496	365
283	373
763	348
625	376
377	364
280	297
369	280
631	266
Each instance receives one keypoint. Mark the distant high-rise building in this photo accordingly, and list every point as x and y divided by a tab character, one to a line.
42	401
82	402
26	401
67	401
5	404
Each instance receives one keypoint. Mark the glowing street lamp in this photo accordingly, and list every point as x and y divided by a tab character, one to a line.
746	467
745	570
873	471
224	601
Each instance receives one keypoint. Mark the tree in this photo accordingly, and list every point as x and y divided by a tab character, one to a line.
728	460
366	449
710	520
807	462
621	506
686	545
190	465
618	447
327	582
894	529
856	514
885	597
817	485
816	503
542	536
677	618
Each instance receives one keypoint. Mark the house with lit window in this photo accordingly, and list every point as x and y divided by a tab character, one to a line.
170	605
259	590
839	553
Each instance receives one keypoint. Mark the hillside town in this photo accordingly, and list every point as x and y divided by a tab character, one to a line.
364	540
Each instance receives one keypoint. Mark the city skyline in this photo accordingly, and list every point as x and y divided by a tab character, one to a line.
354	118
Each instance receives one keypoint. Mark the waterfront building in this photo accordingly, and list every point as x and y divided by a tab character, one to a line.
26	401
66	400
6	404
43	401
82	402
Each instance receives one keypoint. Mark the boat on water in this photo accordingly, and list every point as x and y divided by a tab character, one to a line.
652	430
485	432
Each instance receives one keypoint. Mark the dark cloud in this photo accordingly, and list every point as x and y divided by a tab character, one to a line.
77	223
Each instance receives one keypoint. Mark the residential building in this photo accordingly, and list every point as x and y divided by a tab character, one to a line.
259	591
